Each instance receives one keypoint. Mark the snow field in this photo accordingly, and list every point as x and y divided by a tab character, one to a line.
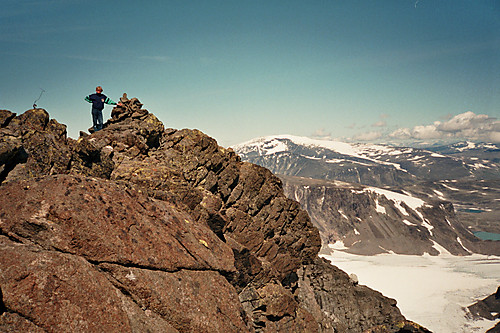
430	290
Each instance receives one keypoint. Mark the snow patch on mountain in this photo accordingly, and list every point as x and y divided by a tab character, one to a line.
440	248
409	223
469	145
341	212
380	209
410	201
449	187
463	246
439	194
427	225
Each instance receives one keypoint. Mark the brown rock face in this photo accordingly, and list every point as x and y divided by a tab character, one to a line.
139	228
53	291
199	301
341	305
104	222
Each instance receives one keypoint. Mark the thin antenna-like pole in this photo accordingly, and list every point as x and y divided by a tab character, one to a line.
34	103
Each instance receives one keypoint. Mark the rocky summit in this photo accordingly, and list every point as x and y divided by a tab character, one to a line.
142	228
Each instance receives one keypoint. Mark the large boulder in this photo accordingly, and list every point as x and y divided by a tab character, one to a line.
50	291
105	222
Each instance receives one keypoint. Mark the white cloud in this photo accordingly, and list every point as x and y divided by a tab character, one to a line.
426	132
494	137
368	136
380	123
401	134
465	126
466	121
321	133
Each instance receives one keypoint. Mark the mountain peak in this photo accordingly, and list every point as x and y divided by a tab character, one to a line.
273	144
138	227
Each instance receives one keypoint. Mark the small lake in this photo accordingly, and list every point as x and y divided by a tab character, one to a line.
472	210
487	235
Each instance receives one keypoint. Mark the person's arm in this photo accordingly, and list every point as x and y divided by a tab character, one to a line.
109	101
88	99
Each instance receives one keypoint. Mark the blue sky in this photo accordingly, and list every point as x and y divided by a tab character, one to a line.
352	70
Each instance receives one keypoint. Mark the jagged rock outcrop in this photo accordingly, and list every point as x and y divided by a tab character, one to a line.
487	308
26	153
140	228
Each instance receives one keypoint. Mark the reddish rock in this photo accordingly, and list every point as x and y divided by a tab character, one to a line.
192	301
104	222
5	117
57	292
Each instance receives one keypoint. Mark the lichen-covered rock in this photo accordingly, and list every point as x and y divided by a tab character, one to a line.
5	117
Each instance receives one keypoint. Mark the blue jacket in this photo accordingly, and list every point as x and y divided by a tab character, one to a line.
98	101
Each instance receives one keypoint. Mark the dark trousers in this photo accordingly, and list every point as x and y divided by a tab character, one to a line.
97	119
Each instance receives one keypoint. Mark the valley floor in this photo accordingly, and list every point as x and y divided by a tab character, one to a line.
430	290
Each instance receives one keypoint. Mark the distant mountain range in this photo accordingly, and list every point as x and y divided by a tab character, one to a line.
363	196
467	147
377	165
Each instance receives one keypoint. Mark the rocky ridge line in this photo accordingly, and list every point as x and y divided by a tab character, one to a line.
141	228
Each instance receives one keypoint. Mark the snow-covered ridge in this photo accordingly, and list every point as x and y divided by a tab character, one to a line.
443	162
398	198
273	144
270	145
467	145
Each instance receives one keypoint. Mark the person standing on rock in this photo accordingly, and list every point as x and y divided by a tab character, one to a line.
98	100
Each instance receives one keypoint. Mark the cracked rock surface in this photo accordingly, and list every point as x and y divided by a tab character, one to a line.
141	228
